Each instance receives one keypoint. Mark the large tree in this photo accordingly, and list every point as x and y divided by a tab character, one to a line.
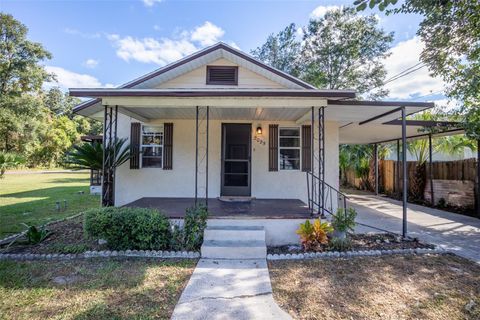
281	50
343	50
450	31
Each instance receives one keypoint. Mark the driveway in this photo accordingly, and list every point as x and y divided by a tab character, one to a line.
454	232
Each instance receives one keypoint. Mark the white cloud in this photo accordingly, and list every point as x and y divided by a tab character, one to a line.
85	35
320	11
207	34
165	50
404	55
91	63
70	79
150	3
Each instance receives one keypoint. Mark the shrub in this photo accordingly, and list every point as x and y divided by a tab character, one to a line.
340	244
344	221
190	236
35	235
129	228
313	236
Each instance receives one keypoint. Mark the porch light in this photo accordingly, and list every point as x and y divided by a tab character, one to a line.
259	130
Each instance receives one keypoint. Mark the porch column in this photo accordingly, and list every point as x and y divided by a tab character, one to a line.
312	199
202	117
109	155
375	163
430	168
397	176
321	159
404	169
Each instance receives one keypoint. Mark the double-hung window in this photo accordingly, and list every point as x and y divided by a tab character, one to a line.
152	146
289	148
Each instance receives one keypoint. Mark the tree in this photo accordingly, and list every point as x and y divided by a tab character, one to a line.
8	161
281	51
20	71
345	51
450	31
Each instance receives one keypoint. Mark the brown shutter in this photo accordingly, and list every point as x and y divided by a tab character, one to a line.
135	145
306	148
167	146
273	147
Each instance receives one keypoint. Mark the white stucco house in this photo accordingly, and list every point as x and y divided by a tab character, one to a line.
221	127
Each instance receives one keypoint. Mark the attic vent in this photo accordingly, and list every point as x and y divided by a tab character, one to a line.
224	75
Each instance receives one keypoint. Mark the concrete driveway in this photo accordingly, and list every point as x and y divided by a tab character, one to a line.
457	233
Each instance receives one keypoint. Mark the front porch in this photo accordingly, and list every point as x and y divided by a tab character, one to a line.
174	208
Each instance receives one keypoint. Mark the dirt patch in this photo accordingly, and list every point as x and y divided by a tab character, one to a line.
360	242
390	287
65	237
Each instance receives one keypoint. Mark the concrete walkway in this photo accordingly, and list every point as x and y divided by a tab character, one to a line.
229	289
454	232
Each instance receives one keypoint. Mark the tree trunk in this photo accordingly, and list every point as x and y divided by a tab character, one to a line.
418	182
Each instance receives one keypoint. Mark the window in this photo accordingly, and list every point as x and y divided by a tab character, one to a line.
222	75
289	148
152	146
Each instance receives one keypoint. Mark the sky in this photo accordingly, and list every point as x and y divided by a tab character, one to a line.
108	43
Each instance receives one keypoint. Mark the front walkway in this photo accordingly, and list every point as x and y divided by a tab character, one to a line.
229	289
454	232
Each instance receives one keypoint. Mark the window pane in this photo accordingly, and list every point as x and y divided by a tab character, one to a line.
156	139
289	159
152	129
155	162
290	132
289	142
152	151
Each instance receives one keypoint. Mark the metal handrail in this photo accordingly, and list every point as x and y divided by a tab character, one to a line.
321	193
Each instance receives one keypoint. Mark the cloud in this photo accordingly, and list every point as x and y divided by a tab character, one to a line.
76	32
70	79
404	55
320	11
165	50
150	3
207	34
91	63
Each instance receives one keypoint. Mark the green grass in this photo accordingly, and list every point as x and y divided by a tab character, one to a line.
92	289
30	198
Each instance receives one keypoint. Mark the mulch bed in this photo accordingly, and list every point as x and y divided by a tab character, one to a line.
65	237
361	242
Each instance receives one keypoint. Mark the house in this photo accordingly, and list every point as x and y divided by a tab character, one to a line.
250	141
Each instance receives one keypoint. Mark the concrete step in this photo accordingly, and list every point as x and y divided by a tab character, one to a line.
234	249
232	233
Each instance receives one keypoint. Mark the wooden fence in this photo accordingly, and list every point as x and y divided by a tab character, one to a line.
390	175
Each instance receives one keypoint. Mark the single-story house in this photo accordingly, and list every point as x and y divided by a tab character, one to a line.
222	128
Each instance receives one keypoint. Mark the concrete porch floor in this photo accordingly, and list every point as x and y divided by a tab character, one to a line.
255	209
454	232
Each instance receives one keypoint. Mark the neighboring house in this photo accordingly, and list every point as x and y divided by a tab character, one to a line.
254	121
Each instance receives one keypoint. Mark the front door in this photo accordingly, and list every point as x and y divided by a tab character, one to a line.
236	154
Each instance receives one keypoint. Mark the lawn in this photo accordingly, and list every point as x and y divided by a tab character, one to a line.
30	198
391	287
92	289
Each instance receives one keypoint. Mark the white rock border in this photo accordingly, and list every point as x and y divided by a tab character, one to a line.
351	254
102	254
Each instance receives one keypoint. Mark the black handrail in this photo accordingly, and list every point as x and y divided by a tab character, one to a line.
320	194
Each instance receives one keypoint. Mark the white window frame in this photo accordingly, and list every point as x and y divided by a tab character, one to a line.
142	146
299	148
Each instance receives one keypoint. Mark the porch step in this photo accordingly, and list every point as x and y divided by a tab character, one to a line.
234	233
234	242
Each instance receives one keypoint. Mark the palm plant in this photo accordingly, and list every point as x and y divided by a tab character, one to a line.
90	156
9	161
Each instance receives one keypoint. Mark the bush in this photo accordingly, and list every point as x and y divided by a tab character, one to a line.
344	221
339	244
190	236
129	228
313	236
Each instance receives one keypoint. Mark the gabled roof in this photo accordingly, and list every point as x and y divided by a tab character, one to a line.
223	50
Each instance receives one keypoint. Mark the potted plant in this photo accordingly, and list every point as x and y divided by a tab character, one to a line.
343	221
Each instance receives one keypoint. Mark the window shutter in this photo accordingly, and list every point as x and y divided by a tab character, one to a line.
167	146
306	148
273	147
135	145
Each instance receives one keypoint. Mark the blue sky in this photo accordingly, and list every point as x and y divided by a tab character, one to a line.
107	43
